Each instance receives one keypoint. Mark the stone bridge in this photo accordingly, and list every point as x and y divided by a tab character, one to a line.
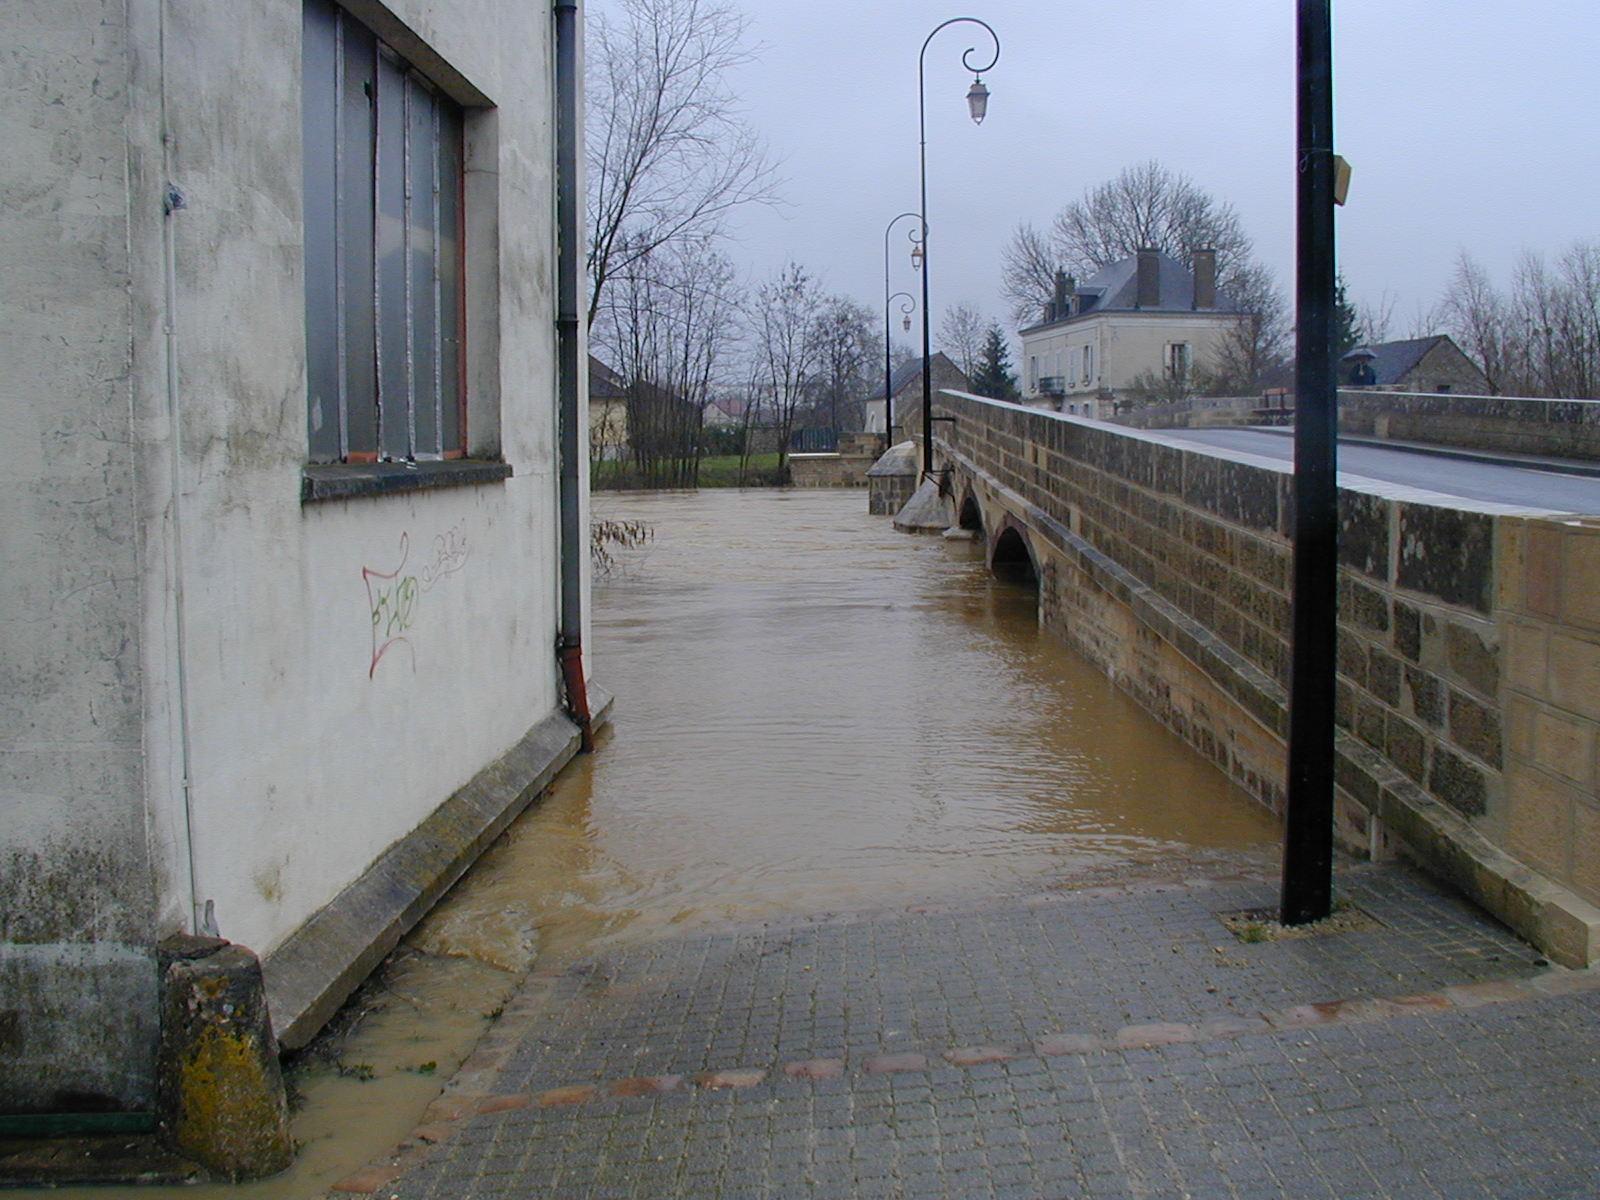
1469	640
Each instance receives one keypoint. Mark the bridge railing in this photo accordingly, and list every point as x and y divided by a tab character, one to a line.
1464	629
1504	424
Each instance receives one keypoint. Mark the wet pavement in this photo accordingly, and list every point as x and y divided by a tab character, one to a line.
1111	1042
874	889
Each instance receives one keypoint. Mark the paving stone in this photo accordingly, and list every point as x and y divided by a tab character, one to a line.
1103	1045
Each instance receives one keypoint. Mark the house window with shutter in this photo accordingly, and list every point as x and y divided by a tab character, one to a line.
385	315
1178	360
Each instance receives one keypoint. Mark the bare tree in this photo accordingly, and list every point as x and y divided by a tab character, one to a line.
1256	341
785	348
1146	206
1542	336
668	323
961	333
1553	345
1374	319
668	153
847	344
1028	265
1149	205
1475	312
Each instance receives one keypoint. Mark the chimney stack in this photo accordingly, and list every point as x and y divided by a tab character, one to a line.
1063	298
1205	278
1149	287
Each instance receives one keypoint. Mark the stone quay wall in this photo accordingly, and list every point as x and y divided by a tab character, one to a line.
846	467
1467	724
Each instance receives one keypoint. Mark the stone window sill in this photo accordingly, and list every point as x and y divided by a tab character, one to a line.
354	481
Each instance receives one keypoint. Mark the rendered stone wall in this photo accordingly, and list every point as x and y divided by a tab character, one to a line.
1170	568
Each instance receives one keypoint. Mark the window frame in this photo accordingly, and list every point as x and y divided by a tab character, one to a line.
395	398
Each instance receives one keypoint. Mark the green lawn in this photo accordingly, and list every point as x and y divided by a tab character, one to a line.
718	471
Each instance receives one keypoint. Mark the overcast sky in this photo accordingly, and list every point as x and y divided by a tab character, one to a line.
1469	123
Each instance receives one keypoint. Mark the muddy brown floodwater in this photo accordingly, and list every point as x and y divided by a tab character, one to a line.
814	713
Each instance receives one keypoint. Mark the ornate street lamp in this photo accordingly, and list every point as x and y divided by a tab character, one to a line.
908	308
978	106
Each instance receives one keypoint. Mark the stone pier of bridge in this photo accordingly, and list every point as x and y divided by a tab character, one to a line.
1468	685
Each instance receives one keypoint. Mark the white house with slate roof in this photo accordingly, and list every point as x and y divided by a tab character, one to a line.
1145	315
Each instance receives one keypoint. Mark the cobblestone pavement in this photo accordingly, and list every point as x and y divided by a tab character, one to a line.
1106	1044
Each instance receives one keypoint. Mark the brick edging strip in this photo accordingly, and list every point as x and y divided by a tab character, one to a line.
448	1113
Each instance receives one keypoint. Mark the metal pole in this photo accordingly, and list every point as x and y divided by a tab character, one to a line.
1307	892
888	355
922	132
927	372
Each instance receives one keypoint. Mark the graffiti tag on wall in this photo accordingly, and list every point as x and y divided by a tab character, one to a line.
394	597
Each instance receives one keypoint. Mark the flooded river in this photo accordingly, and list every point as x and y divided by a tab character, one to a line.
814	713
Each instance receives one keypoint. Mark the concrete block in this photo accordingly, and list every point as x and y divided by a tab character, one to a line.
1511	554
1457	782
1364	606
1408	631
1541	572
1475	727
1473	656
1520	714
1426	696
1539	819
1580	578
1561	744
1585	874
1575	674
1383	676
1406	747
1527	657
1351	658
221	1092
1364	533
1447	553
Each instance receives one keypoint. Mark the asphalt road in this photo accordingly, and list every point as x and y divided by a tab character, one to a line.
1507	483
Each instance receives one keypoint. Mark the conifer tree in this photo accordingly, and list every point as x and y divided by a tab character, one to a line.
995	378
1346	321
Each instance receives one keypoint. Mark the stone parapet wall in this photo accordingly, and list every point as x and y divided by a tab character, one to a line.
1170	568
1504	424
1557	428
1201	412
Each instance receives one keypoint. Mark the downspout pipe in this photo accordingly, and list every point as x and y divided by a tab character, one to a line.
568	343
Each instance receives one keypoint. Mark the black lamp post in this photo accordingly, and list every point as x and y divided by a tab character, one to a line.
907	309
1308	811
978	106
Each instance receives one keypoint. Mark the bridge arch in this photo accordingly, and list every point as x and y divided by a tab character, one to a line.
970	514
1011	554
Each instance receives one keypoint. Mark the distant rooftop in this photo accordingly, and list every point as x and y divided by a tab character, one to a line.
1115	288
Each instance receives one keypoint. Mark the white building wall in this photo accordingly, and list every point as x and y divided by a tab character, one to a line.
307	758
77	967
1122	346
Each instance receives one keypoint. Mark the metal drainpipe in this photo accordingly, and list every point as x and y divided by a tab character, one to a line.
568	229
200	921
